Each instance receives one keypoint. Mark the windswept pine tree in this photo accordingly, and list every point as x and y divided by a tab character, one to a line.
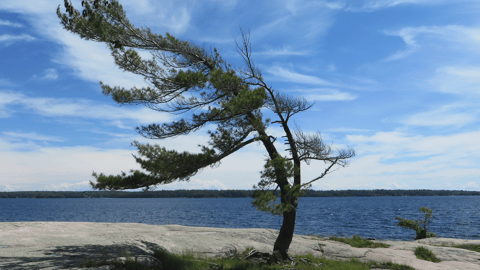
184	76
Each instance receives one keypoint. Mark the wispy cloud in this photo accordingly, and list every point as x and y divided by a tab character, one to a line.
413	160
33	136
286	75
328	95
9	39
446	115
194	184
305	20
6	82
455	35
331	67
397	144
408	37
374	5
50	74
53	165
294	6
61	107
347	130
462	81
172	15
379	4
283	74
279	52
11	24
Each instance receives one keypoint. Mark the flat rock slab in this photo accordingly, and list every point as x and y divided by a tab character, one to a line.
66	245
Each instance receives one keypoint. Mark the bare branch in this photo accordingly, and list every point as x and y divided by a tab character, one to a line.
323	174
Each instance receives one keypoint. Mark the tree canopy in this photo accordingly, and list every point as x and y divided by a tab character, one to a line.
182	77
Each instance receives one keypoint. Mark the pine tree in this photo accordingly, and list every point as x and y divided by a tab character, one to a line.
233	99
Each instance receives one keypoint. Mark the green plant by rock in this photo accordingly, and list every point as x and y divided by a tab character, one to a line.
357	241
415	224
425	254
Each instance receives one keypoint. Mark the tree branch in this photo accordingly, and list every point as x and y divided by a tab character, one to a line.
323	174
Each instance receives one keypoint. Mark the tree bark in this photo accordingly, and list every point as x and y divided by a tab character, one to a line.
286	232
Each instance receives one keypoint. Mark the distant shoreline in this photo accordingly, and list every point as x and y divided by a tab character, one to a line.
229	193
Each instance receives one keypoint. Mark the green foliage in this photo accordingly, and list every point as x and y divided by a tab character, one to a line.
415	224
423	253
188	261
277	168
191	78
471	247
164	166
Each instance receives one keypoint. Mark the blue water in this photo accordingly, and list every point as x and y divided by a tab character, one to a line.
453	216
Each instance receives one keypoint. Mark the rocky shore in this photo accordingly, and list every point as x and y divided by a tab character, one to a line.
65	245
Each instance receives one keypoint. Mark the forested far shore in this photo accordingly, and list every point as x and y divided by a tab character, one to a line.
229	193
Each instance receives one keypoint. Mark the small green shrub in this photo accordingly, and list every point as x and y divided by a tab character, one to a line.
424	254
415	224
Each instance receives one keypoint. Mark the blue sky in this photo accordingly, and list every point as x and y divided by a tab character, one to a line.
398	81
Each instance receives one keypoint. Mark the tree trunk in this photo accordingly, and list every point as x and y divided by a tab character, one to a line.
286	232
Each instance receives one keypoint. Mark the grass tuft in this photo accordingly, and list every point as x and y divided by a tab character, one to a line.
471	247
424	254
188	261
359	242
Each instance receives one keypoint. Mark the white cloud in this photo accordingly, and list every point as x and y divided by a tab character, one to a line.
6	82
446	115
66	168
9	39
347	130
453	35
330	95
398	144
286	75
279	52
11	24
462	81
194	183
228	5
305	20
407	34
92	61
283	74
171	15
380	137
61	107
294	6
33	136
386	159
334	5
50	74
373	5
7	98
376	4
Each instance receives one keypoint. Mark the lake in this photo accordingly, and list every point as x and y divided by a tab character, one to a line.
453	216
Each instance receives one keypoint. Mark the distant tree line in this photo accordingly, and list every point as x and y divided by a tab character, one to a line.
229	193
